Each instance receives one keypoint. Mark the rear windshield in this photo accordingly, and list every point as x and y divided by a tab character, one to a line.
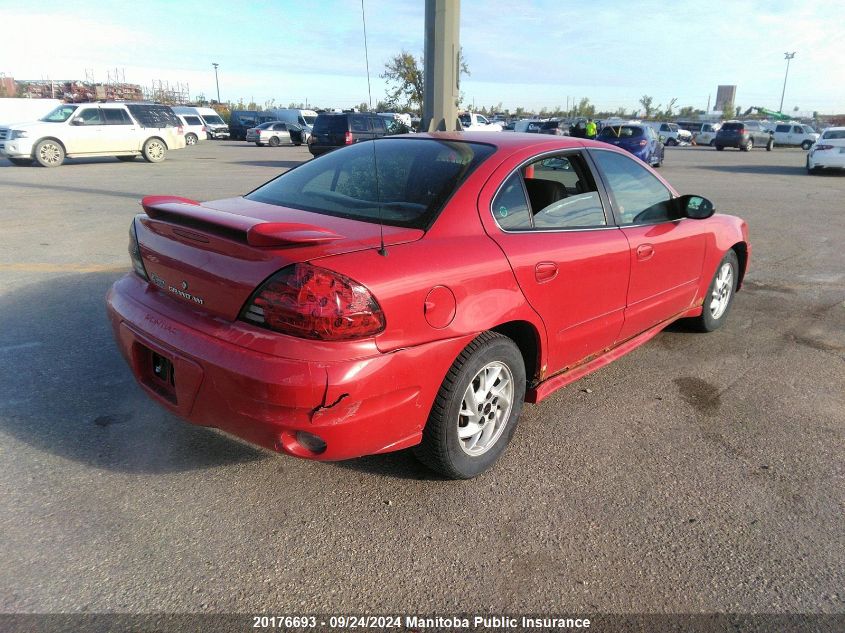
266	126
621	131
834	134
551	125
415	179
330	123
732	127
213	119
151	115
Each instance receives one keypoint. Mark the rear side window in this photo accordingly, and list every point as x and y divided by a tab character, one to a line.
782	128
415	179
358	123
152	115
116	116
557	192
193	120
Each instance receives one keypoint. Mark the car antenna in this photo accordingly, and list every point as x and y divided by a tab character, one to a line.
381	251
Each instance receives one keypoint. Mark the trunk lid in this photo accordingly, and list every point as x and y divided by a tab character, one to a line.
212	256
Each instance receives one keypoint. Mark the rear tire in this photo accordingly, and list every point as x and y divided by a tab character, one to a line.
720	148
154	150
49	153
258	143
476	410
770	145
21	162
191	139
274	141
713	143
747	146
720	295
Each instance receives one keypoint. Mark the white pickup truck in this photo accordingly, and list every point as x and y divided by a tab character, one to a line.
474	122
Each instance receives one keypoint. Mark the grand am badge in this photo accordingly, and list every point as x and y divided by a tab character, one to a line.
161	283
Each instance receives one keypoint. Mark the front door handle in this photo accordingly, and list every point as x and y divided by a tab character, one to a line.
644	252
545	271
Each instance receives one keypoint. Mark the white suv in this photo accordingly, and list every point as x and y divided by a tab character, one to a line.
76	130
671	133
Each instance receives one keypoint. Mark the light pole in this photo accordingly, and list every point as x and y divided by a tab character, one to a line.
216	81
787	57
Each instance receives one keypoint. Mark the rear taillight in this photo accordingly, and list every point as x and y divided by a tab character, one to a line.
135	253
180	130
821	148
314	303
347	138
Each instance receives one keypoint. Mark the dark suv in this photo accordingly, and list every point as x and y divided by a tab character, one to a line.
744	135
336	130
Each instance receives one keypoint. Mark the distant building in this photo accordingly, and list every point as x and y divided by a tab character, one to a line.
725	94
8	87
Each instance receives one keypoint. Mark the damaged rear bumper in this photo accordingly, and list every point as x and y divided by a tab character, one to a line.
360	405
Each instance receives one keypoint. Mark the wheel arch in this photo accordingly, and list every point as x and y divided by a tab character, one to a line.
526	337
47	138
741	250
155	136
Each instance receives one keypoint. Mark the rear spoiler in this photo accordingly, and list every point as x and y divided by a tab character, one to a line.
253	231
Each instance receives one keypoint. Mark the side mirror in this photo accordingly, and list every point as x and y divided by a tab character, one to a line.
77	122
695	207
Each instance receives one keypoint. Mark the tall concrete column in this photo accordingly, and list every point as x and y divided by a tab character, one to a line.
441	74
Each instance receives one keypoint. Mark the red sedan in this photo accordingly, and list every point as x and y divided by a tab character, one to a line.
415	291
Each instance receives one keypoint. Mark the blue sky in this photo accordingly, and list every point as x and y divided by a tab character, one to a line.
534	55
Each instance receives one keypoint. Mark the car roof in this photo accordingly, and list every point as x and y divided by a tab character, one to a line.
512	140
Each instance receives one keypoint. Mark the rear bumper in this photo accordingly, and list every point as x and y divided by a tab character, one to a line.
827	159
318	150
357	406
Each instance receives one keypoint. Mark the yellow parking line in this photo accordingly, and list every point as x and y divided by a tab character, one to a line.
39	267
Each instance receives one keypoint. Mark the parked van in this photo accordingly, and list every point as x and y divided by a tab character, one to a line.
795	134
195	129
215	126
303	118
241	120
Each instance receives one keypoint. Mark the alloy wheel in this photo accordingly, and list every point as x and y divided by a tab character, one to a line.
485	408
722	289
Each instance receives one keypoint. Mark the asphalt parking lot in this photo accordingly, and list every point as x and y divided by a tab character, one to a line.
700	473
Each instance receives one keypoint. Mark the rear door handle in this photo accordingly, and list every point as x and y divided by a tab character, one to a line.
644	252
545	271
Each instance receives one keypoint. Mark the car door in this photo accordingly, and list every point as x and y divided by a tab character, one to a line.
120	133
666	254
570	260
798	135
86	131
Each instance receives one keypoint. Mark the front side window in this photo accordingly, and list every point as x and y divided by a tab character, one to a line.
637	195
397	181
89	116
798	129
554	192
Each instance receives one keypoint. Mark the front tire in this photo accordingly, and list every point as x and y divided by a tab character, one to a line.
154	150
713	142
720	295
49	153
476	410
806	145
